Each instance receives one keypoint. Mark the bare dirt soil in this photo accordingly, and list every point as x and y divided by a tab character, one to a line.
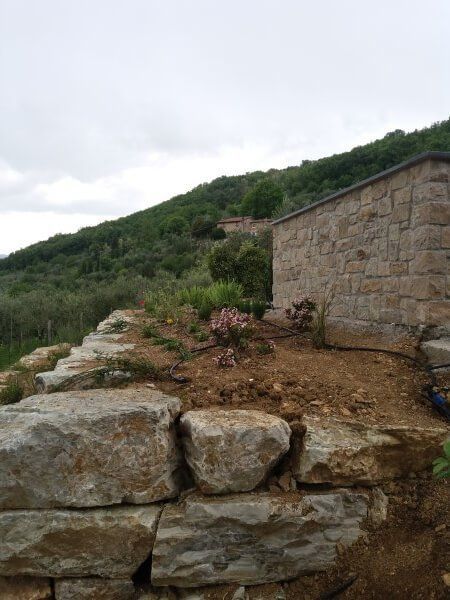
297	379
408	555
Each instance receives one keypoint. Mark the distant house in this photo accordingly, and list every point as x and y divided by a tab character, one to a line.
244	225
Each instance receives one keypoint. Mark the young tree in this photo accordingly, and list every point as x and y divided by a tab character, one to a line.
245	262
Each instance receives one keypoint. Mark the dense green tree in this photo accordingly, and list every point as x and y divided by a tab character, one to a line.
244	260
175	224
262	200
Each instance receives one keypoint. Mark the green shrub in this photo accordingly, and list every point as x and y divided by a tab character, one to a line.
201	336
148	331
258	309
205	310
11	393
163	304
267	347
226	294
242	260
245	306
193	296
441	466
252	266
193	327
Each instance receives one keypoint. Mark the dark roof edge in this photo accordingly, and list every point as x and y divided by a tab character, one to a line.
430	155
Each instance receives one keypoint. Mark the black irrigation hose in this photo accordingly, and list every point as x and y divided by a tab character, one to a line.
181	378
338	589
444	366
292	333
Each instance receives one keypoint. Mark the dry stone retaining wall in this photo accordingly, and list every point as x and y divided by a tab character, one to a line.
383	246
87	479
83	365
97	485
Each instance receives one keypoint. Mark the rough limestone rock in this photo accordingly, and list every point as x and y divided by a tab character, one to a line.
90	588
89	357
348	453
253	538
438	351
89	448
107	542
25	588
232	451
41	355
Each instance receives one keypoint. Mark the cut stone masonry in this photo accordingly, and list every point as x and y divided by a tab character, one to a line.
382	246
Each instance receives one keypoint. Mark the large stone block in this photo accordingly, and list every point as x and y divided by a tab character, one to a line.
427	237
431	213
351	453
429	261
232	451
428	287
253	538
25	588
80	369
446	237
92	588
434	313
42	355
89	448
107	542
437	351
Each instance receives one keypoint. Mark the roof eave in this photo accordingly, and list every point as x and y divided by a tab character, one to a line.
430	155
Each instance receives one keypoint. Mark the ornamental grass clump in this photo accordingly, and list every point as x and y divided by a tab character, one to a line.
301	313
232	328
258	308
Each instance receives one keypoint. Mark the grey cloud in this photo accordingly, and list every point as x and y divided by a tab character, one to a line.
90	88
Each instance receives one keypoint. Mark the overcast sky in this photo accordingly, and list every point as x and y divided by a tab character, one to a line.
111	106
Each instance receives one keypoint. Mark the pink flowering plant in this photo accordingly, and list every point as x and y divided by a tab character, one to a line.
301	313
226	359
232	328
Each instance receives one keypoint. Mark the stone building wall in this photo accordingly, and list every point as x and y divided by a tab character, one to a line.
382	246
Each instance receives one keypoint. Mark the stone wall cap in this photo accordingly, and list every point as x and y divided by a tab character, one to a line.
418	158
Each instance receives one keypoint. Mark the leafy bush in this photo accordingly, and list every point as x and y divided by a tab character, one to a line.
245	306
193	327
266	347
226	359
218	234
225	294
441	466
242	260
301	313
11	393
258	309
253	269
205	310
201	336
232	328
